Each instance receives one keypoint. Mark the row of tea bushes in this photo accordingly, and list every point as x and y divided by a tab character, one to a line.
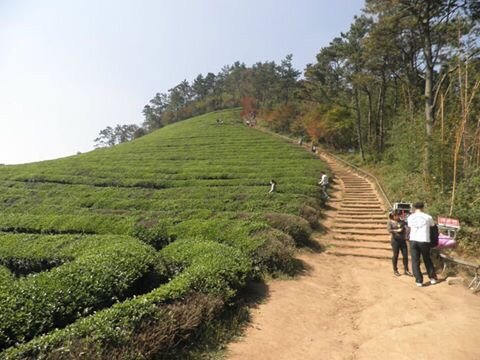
97	272
196	266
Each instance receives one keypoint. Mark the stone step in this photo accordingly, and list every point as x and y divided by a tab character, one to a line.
365	212
358	188
357	184
363	199
378	221
363	195
360	244
357	231
355	225
356	200
360	252
358	216
362	211
360	206
352	188
372	238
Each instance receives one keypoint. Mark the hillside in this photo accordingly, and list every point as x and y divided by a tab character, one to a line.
79	237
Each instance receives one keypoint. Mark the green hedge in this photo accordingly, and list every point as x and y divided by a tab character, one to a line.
200	266
66	224
98	277
295	226
6	278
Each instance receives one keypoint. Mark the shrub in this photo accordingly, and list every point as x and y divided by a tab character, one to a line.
153	232
297	227
172	326
274	253
6	278
310	214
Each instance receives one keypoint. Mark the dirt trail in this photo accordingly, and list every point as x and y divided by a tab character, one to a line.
349	305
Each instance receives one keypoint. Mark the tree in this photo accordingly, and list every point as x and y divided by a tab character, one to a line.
435	25
106	137
121	133
288	77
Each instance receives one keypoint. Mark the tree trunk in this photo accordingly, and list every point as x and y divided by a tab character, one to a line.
429	106
358	125
380	115
371	131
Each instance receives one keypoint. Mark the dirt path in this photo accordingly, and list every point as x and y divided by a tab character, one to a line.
350	306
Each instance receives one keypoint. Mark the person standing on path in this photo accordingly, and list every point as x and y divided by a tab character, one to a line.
324	184
397	228
419	224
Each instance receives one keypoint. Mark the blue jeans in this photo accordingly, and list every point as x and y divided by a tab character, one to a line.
421	248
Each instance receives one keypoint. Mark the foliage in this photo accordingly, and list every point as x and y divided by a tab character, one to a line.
101	271
119	134
203	266
153	232
295	226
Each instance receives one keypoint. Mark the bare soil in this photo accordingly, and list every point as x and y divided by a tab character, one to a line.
349	305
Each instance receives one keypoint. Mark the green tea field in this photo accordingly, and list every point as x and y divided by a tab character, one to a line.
130	251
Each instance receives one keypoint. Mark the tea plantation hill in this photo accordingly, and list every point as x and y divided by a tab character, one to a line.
125	251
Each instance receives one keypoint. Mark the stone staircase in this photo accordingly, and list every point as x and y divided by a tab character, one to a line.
359	220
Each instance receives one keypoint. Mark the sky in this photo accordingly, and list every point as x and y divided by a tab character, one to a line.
71	68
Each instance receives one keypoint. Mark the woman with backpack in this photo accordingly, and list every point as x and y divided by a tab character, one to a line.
397	228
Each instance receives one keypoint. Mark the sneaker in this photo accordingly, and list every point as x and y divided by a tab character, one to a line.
419	284
433	281
396	273
408	273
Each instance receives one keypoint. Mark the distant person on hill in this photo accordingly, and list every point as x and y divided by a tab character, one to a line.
324	182
419	224
397	228
314	149
273	184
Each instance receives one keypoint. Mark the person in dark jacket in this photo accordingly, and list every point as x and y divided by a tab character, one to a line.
397	228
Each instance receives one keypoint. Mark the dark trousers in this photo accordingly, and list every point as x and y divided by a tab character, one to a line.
324	190
398	246
421	248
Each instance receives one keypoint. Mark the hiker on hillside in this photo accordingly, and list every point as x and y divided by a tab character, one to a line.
324	184
419	224
273	184
314	149
397	228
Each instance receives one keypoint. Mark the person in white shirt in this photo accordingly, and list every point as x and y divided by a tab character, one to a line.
419	224
324	183
273	185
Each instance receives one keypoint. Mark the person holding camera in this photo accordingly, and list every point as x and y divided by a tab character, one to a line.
397	228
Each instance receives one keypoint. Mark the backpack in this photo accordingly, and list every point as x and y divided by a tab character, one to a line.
434	236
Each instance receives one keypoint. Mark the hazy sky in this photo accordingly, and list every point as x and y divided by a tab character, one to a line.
69	68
